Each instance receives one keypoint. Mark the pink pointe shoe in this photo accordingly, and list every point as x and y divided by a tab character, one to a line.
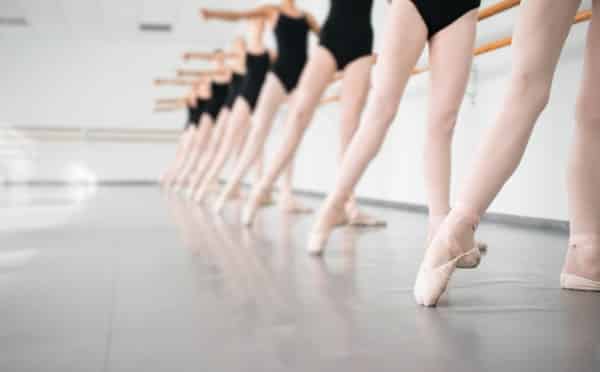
574	281
433	280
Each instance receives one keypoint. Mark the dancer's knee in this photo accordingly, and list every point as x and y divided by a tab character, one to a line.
442	122
531	88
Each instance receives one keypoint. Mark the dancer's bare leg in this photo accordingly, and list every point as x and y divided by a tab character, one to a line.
313	82
211	150
539	36
583	255
450	60
287	201
199	141
271	97
181	152
238	119
404	39
354	91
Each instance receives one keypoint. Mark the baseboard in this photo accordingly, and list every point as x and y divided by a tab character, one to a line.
500	218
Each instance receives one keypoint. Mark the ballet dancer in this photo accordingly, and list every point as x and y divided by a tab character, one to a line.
237	66
538	40
209	129
195	102
448	28
291	31
346	43
257	65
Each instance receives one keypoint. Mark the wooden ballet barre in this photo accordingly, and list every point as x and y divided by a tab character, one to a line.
166	101
208	55
200	73
582	16
497	8
485	13
179	82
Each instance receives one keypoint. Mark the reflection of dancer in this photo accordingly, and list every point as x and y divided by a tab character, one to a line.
346	45
538	40
257	61
291	30
448	28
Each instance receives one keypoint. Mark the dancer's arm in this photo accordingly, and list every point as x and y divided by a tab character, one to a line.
265	12
313	24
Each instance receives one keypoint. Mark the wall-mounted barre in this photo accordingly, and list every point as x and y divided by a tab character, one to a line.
582	16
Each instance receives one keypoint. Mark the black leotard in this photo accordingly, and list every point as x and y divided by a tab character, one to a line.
234	89
257	67
192	112
292	42
219	95
347	32
439	14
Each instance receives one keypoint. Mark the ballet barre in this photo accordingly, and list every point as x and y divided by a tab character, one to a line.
178	82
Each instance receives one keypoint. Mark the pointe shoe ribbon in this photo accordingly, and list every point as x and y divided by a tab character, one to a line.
472	258
576	282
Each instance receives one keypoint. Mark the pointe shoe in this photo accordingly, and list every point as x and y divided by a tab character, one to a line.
219	205
578	283
200	195
573	281
360	219
317	240
252	206
432	282
469	261
290	204
224	197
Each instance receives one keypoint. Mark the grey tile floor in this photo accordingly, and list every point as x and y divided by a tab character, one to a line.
132	279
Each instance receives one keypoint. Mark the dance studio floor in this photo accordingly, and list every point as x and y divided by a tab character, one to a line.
132	279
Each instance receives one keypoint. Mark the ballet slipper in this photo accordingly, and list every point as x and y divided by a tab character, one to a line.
360	219
226	195
432	282
252	205
432	279
290	204
267	200
318	238
468	262
200	195
573	281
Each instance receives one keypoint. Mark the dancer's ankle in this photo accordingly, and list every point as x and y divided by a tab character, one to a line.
583	256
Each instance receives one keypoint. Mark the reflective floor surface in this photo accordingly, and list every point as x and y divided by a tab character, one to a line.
132	279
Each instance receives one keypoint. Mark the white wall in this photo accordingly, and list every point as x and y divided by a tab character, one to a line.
96	83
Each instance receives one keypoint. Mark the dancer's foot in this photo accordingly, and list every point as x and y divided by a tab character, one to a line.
255	201
453	242
358	218
581	270
290	204
329	218
434	224
226	195
200	194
